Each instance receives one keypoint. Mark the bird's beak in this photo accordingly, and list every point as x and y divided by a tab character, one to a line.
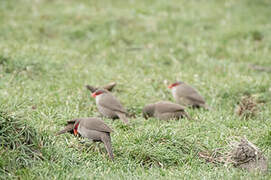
93	95
75	132
170	86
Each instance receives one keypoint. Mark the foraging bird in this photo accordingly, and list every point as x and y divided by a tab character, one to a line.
164	110
92	128
109	106
108	87
186	95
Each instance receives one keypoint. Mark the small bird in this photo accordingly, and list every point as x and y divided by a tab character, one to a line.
164	110
108	87
186	95
92	128
109	106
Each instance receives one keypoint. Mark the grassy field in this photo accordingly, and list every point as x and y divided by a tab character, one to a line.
49	50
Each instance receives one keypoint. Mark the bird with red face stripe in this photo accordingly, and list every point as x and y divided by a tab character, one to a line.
92	128
186	95
109	106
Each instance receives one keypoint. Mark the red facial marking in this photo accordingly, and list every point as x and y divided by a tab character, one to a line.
96	94
75	132
173	85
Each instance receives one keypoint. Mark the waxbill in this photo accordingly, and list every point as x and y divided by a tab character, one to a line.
109	106
108	87
164	110
92	128
186	95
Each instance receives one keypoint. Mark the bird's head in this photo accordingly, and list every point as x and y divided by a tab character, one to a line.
99	92
148	111
175	84
75	127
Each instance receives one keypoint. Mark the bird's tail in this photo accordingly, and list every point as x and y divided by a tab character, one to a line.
107	143
123	117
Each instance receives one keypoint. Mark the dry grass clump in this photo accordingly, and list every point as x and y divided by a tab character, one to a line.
247	107
242	154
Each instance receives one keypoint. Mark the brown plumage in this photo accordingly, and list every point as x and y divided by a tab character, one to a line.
108	87
109	106
92	128
186	95
164	110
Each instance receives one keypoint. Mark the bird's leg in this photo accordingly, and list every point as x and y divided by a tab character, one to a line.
87	143
83	142
99	149
96	146
92	146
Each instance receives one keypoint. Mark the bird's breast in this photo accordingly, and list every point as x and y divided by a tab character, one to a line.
174	92
98	98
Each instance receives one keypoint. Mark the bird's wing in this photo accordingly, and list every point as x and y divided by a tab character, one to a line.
196	98
165	107
112	103
110	86
189	92
91	88
95	124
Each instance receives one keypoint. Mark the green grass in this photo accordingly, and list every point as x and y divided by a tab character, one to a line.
50	49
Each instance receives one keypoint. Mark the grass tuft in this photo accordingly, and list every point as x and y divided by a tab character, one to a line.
20	143
248	107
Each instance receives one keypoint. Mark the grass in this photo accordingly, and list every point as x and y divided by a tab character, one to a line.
51	49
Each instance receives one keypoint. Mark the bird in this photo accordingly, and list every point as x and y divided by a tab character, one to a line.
108	87
186	95
109	106
164	110
92	128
